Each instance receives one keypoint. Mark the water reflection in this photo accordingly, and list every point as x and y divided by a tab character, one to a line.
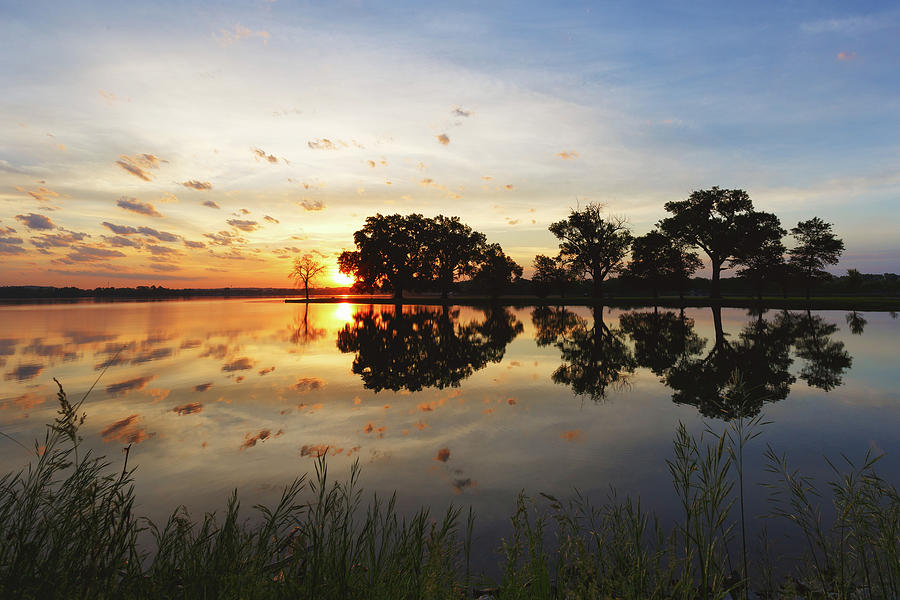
594	356
418	347
597	358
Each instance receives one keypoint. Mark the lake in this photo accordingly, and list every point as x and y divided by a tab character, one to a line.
461	405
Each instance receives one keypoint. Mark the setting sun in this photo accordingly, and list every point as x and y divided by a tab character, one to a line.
340	279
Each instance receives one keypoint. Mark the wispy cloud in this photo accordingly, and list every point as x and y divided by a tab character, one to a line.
135	205
41	194
847	25
269	219
568	155
846	56
461	112
93	254
139	164
239	32
125	431
163	236
211	204
129	385
443	139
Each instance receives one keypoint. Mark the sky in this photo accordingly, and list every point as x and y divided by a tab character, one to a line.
207	144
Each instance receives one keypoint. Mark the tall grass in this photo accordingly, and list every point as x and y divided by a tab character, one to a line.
68	530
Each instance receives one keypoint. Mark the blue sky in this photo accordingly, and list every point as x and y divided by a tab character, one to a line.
298	121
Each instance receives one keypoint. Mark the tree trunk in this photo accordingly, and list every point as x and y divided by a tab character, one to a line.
714	288
306	287
398	294
597	287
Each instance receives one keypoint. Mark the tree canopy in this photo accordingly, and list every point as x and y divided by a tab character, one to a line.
659	259
592	245
816	247
713	220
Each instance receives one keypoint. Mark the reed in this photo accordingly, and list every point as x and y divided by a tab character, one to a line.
68	530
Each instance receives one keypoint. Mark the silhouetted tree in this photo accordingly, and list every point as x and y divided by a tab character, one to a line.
306	269
594	357
390	254
760	255
423	347
496	271
453	249
592	245
658	259
550	273
713	220
816	247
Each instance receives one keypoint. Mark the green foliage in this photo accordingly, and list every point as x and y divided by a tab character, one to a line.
592	245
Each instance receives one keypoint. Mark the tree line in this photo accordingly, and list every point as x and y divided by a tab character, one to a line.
397	253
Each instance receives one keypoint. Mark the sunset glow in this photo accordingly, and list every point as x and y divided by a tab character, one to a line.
207	145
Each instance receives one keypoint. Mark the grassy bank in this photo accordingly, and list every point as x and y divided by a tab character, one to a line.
68	530
860	303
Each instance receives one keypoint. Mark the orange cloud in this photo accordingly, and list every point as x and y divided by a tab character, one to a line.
239	364
129	385
443	139
198	185
125	431
251	439
570	155
846	56
188	409
309	384
239	32
138	164
443	455
572	435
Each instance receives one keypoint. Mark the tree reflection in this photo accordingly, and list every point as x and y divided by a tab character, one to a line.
826	359
761	354
856	322
424	347
594	356
302	333
661	338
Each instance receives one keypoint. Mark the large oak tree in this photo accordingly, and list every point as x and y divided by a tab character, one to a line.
713	220
592	245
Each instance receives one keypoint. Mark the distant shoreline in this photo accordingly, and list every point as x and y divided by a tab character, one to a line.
790	303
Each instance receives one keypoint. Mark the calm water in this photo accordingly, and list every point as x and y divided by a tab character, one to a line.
464	406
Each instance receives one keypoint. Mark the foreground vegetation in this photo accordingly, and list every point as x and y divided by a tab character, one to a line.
68	530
